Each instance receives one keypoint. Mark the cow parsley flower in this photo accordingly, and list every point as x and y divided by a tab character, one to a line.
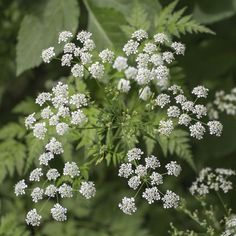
170	200
140	35
46	113
58	212
143	76
51	190
52	174
64	36
162	100
152	162
39	130
160	38
48	54
78	117
178	47
120	63
54	147
141	170
156	178
166	127
82	36
77	71
131	47
184	119
197	130
33	218
66	59
200	92
69	48
125	170
134	182
62	128
156	59
131	72
128	205
20	187
96	70
36	174
145	93
173	111
124	85
134	154
173	168
168	57
87	189
45	158
65	190
215	127
106	56
150	48
151	195
37	194
71	169
29	121
162	72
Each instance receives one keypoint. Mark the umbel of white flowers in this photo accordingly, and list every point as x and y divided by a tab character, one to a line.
139	174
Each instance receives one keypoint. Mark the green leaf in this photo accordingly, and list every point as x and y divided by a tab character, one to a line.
104	24
26	107
39	31
174	23
12	130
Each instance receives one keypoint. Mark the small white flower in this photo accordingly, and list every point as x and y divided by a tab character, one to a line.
168	57
162	72
58	212
45	158
145	93
152	162
187	106
107	56
134	182
124	85
143	76
79	100
173	168
170	200
141	170
156	59
52	174
131	47
131	72
64	36
40	130
173	111
151	195
62	128
60	89
20	187
184	119
197	130
36	174
176	89
178	47
65	190
77	70
89	45
83	36
166	127
87	189
51	190
66	59
160	38
180	99
48	54
120	63
63	111
42	98
140	35
71	169
125	170
85	58
215	127
37	194
69	48
200	111
134	154
96	70
200	91
142	60
162	100
128	205
33	218
54	147
54	120
150	48
78	117
29	121
156	178
46	113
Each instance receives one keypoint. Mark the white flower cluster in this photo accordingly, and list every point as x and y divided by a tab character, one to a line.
151	62
212	179
230	226
79	55
223	103
61	111
139	174
181	111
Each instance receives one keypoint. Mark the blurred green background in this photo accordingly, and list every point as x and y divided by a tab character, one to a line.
27	27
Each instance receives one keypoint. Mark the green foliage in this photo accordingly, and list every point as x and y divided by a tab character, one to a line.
178	143
176	24
56	16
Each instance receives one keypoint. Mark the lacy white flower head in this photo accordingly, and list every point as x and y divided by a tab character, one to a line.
230	226
182	112
212	179
59	105
33	218
139	174
223	103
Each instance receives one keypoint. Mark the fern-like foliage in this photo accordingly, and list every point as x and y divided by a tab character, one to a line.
138	19
176	24
178	143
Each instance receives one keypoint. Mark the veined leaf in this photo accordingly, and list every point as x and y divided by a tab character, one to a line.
39	31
